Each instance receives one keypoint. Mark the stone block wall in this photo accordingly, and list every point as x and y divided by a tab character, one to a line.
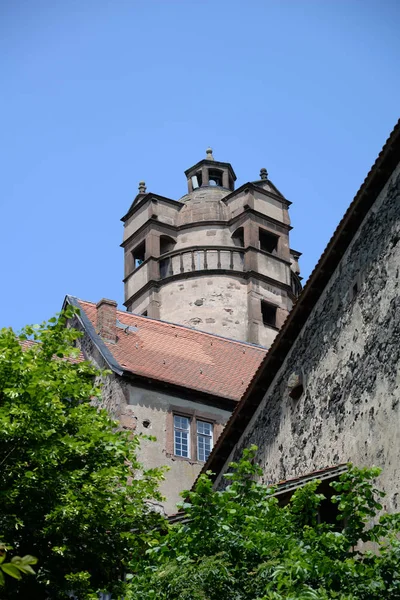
348	355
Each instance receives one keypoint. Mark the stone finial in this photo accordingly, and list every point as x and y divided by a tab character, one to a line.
142	187
263	174
209	154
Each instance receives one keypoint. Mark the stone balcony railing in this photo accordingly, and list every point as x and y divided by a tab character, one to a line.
198	258
201	259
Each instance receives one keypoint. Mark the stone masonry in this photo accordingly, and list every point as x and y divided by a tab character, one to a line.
347	358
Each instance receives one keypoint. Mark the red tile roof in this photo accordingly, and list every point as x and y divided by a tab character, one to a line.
182	356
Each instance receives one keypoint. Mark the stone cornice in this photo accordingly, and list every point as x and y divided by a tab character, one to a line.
158	283
155	223
257	188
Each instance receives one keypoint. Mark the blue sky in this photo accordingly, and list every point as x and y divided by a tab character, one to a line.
99	94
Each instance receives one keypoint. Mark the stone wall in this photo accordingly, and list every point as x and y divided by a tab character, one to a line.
216	304
215	235
154	413
348	354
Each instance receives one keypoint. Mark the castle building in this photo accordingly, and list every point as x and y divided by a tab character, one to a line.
209	281
328	390
173	382
218	259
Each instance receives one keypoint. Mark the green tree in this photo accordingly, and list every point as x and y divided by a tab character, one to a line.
17	566
240	544
72	492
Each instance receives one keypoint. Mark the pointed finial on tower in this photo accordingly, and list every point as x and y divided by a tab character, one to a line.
142	187
209	154
263	174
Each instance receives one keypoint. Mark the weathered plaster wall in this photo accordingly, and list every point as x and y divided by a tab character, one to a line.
137	279
349	353
141	304
165	212
135	221
269	265
269	206
215	303
148	410
237	202
154	412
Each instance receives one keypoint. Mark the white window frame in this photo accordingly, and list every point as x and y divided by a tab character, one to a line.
205	436
182	431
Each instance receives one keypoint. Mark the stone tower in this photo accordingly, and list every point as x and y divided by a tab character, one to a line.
218	259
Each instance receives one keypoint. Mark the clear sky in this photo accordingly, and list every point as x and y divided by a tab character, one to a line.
99	94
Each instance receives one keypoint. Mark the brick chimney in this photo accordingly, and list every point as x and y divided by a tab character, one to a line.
107	319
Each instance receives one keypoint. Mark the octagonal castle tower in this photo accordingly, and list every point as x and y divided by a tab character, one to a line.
218	259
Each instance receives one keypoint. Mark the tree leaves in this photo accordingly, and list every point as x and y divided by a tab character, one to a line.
240	544
71	487
17	567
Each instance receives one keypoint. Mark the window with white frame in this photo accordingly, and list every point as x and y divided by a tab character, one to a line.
193	438
204	440
181	436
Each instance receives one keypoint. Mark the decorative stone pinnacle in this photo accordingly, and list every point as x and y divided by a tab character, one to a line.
209	154
142	187
263	174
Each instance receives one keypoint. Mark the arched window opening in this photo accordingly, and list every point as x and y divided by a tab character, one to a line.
167	244
215	177
238	237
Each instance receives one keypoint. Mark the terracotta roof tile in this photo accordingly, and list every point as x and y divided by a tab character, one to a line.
182	356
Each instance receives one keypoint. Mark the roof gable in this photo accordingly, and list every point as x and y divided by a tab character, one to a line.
271	191
141	199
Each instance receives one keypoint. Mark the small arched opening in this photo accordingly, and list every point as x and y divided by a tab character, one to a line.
238	237
167	244
215	177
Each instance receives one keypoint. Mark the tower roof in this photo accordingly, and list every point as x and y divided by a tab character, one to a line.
211	162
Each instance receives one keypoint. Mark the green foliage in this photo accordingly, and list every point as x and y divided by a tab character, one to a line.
72	491
18	565
240	544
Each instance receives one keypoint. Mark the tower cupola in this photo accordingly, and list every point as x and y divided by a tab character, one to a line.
210	173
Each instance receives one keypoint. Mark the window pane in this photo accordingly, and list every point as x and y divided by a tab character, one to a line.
204	440
203	427
181	422
181	436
